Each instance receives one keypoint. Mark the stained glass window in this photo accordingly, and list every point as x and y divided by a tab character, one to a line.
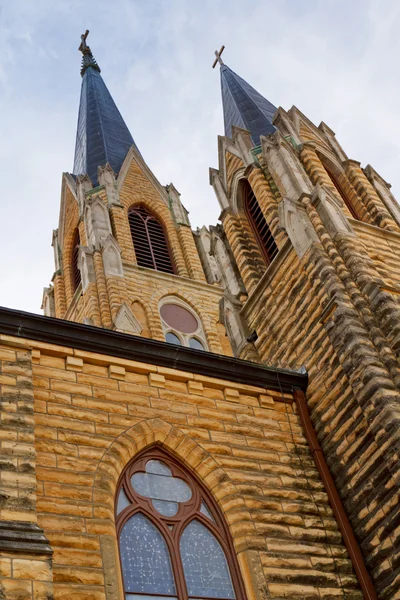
204	563
172	539
146	564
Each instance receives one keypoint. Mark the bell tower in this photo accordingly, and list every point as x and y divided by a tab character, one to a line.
125	255
316	240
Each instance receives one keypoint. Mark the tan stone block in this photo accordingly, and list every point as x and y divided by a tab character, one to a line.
5	567
116	372
13	589
195	387
7	380
157	380
282	590
231	395
37	570
67	592
42	590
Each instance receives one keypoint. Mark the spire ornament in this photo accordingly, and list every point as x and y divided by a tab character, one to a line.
218	55
88	59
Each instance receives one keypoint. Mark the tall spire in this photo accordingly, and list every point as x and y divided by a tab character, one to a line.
102	135
243	106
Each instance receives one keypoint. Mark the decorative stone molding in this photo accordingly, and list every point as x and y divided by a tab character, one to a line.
285	125
330	211
83	185
126	322
97	222
220	251
48	303
284	166
294	219
242	140
383	190
211	268
57	251
230	315
23	537
88	321
332	141
107	177
86	267
112	262
179	212
219	189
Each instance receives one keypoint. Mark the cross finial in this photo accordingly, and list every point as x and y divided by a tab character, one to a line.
218	59
84	47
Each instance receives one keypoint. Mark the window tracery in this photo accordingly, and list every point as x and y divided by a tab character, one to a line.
181	325
173	541
149	240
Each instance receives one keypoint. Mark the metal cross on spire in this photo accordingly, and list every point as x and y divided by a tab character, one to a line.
218	59
88	59
84	47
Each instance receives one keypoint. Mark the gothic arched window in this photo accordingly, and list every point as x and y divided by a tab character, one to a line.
173	541
259	224
149	240
76	274
340	190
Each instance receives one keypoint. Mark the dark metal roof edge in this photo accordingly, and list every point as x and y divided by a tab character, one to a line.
112	343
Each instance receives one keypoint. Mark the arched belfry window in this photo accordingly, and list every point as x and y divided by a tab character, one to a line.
149	240
259	224
173	540
335	181
76	274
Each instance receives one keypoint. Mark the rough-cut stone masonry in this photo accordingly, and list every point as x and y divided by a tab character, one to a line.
93	412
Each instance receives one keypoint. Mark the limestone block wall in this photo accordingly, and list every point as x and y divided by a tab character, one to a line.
94	412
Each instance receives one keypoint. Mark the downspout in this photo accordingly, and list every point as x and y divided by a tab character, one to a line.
346	529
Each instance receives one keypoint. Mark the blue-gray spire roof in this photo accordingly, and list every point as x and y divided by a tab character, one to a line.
244	106
102	135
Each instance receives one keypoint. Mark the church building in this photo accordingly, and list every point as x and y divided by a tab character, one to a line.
209	414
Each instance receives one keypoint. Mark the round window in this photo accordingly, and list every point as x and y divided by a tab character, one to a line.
179	318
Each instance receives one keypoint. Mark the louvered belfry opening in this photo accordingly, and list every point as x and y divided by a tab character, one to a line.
259	224
76	274
342	193
151	247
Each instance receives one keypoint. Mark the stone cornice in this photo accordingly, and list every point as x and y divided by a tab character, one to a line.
27	326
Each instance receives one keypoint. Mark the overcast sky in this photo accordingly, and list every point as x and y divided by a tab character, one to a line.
337	60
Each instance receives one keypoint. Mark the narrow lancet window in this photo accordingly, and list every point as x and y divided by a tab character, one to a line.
173	541
149	240
76	274
259	225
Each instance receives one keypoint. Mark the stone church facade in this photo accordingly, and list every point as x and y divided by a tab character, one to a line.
212	413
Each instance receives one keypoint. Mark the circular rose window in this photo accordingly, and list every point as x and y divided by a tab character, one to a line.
179	318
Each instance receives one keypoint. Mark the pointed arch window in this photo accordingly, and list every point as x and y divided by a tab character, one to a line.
258	223
149	240
76	274
173	541
340	190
